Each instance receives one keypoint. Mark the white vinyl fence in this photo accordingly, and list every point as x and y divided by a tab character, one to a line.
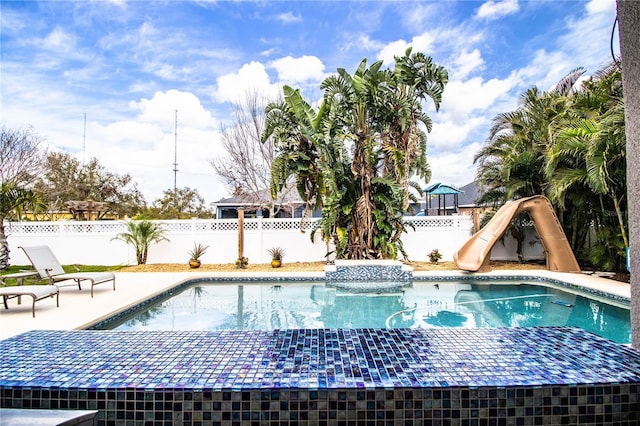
93	243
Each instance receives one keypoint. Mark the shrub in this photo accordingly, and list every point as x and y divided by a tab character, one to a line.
242	262
435	256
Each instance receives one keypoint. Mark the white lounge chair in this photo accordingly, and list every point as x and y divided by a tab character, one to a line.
37	292
49	268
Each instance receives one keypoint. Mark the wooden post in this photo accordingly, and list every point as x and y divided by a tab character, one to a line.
240	233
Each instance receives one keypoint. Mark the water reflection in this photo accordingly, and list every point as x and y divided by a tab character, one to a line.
426	305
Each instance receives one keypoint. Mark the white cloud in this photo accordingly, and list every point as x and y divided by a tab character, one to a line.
250	78
598	6
420	14
589	36
161	110
289	18
454	167
450	135
465	63
269	52
59	40
420	43
366	43
493	10
146	147
462	98
296	70
545	69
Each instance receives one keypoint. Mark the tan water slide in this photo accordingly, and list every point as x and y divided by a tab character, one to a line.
475	254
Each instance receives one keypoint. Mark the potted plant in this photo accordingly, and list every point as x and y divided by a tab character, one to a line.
277	253
198	250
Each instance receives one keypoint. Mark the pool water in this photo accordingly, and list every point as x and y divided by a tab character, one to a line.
206	306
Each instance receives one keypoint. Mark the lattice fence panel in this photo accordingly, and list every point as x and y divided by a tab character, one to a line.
176	226
210	225
288	224
92	227
32	228
434	222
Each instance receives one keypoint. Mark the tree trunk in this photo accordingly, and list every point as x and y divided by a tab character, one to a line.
616	203
4	247
360	245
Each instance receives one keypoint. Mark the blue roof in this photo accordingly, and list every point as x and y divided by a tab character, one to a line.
440	189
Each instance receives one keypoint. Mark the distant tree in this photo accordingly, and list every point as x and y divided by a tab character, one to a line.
20	163
246	169
141	234
65	179
14	200
182	203
21	158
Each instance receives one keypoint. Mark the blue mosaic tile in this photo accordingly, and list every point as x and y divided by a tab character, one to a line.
369	273
315	359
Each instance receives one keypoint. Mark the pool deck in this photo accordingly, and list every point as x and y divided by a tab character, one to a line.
77	308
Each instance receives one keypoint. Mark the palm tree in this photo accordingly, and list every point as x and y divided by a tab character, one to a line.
141	234
512	162
355	155
589	159
568	144
13	200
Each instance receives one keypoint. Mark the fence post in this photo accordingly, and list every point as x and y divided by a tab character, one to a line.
261	236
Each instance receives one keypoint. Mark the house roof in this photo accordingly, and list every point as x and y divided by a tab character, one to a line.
467	194
291	197
470	196
441	189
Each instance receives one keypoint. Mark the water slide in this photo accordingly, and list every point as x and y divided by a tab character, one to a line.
475	254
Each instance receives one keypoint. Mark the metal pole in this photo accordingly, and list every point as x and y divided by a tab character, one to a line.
84	138
175	156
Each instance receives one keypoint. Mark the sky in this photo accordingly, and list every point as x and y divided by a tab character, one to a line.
104	79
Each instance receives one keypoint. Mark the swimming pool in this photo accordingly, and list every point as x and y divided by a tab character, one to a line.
314	305
518	375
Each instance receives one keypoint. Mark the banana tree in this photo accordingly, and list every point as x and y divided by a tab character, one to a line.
355	155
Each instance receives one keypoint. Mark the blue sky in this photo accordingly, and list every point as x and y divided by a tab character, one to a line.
129	65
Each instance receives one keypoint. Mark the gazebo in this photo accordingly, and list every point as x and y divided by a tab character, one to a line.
441	191
84	210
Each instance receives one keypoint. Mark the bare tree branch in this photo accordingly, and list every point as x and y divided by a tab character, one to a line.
21	158
246	167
